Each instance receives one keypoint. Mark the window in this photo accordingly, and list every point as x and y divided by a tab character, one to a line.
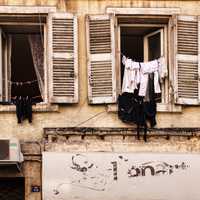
22	61
139	38
38	55
143	43
161	32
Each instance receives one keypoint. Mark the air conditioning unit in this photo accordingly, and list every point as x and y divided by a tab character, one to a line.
10	152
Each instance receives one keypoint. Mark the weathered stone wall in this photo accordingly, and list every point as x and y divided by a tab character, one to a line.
83	114
121	140
32	168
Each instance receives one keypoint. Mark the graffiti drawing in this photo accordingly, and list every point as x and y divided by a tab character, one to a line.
87	174
155	168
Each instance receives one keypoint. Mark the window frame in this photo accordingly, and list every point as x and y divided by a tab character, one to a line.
164	52
23	11
159	12
168	105
165	85
44	106
44	25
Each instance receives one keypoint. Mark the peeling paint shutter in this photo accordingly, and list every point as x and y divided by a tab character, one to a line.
101	59
63	58
187	60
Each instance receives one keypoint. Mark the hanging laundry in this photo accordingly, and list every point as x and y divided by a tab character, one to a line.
23	108
131	110
141	84
148	68
150	107
137	73
27	108
19	108
131	75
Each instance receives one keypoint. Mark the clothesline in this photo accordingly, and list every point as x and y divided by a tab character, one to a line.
122	54
22	82
14	97
34	97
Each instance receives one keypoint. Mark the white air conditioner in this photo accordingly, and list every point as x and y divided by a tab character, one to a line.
10	152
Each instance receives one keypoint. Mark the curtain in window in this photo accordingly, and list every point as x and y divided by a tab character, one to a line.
37	51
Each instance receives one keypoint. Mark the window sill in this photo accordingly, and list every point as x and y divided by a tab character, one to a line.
36	108
161	108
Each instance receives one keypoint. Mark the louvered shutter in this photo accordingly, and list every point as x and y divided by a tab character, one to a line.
1	66
63	58
187	60
101	59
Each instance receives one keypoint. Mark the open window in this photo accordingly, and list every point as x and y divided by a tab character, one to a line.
39	57
143	43
108	37
154	49
22	62
154	45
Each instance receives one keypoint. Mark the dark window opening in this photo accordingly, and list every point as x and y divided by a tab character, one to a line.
154	51
22	69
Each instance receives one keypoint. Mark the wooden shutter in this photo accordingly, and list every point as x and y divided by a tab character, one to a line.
5	66
187	60
1	66
63	58
101	59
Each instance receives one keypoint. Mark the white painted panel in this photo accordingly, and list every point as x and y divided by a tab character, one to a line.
116	176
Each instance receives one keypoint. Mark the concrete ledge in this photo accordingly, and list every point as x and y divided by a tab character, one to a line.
27	9
161	108
36	108
101	132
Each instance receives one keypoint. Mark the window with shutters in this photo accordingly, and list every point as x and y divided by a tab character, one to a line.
138	37
38	57
143	38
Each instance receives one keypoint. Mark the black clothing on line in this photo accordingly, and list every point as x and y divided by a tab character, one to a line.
23	108
133	109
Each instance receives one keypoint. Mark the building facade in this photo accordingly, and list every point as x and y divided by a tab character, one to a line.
77	85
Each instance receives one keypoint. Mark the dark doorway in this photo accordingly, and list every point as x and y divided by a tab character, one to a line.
12	188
